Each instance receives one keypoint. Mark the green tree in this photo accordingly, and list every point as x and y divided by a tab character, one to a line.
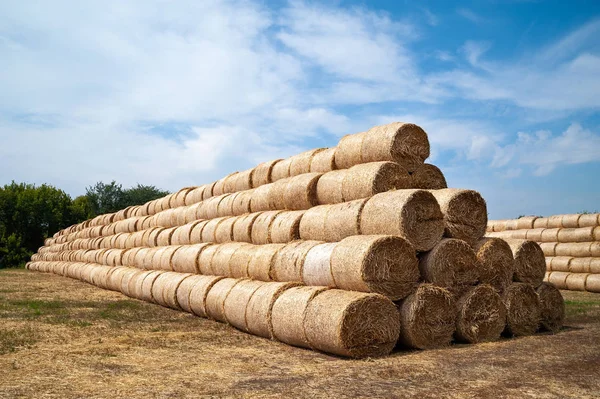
82	209
141	194
106	198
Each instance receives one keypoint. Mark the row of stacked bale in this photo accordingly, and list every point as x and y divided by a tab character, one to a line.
571	244
361	256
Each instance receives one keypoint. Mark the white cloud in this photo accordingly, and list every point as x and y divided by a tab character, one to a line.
470	15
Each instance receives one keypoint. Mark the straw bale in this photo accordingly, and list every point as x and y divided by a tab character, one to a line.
234	306
300	163
261	228
589	220
552	308
199	292
312	224
205	259
465	213
349	151
215	299
576	281
222	257
238	264
242	203
289	261
481	315
323	161
224	230
281	170
259	308
592	283
286	226
317	266
496	262
196	232
428	177
262	174
262	260
451	263
185	259
242	228
330	187
259	201
530	262
583	234
523	310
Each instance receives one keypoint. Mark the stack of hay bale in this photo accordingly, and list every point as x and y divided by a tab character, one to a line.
350	250
571	244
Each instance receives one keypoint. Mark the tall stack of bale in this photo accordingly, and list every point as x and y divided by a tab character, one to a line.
571	244
351	250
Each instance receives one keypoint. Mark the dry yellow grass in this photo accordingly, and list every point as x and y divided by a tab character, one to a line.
61	338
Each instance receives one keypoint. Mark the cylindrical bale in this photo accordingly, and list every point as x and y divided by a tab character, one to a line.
555	222
243	181
262	260
166	258
242	228
583	234
534	235
540	223
570	221
559	263
262	174
428	177
185	259
205	259
281	170
451	263
196	232
580	265
344	220
170	289
164	237
576	249
558	280
312	224
208	191
215	299
234	307
465	213
152	239
595	265
224	230
349	151
191	212
210	208
523	311
209	230
592	283
222	258
288	314
530	262
381	264
289	262
300	163
576	281
238	264
225	206
330	187
230	182
136	283
412	214
481	315
259	308
260	198
185	288
549	248
198	293
317	266
148	284
219	187
261	228
181	235
549	235
242	203
125	280
366	180
352	324
552	308
588	220
179	198
301	191
496	261
526	222
114	281
323	161
141	258
286	226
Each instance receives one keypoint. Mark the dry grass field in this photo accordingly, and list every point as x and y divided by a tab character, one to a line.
60	338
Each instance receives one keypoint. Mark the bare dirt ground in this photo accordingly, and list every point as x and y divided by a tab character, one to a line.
61	338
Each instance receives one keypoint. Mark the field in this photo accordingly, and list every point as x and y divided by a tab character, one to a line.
61	338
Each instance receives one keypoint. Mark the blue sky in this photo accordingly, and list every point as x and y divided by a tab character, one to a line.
181	93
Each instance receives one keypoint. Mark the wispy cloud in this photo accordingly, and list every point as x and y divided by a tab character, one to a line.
470	15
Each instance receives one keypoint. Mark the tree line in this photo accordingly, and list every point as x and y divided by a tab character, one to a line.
29	214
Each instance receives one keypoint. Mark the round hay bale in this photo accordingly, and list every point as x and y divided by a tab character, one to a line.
205	259
343	220
140	257
261	228
570	221
595	266
534	235
185	288
199	292
209	230
215	298
323	161
136	284
210	208
180	196
300	163
530	262
242	203
583	234
208	191
428	177
287	315
191	212
526	222
555	222
185	259
385	265
242	228
596	233
352	324
238	264
317	266
219	185
277	194
301	191
559	263
286	227
234	307
147	285
549	235
159	287
592	283
576	249
312	224
558	280
465	213
281	170
366	180
481	315
451	263
170	288
348	151
548	248
576	281
230	182
412	214
115	279
523	310
289	261
580	265
262	174
181	235
496	261
259	201
152	239
124	280
262	260
222	257
260	305
224	230
540	223
164	237
243	181
166	257
225	206
330	187
552	308
196	232
588	220
427	318
153	259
